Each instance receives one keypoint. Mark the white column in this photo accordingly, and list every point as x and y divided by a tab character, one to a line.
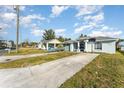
72	47
54	45
85	49
78	50
47	44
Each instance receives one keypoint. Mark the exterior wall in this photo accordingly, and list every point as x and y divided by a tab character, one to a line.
122	48
107	47
41	46
67	47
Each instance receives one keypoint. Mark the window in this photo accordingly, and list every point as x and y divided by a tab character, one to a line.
98	45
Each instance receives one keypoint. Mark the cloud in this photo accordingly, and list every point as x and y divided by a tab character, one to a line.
90	22
97	18
82	28
3	28
106	33
76	24
87	9
37	32
105	30
26	20
22	8
57	10
10	8
60	32
8	16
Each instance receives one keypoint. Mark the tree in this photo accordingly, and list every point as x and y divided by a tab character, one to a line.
66	39
49	34
81	36
61	39
33	44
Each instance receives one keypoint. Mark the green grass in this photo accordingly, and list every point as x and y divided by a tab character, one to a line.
107	70
24	51
35	60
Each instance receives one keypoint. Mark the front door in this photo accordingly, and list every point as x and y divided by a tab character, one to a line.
82	45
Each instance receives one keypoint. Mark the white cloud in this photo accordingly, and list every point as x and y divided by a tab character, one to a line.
76	24
97	18
26	20
37	32
106	33
82	28
3	26
60	32
87	9
8	16
22	8
90	22
57	10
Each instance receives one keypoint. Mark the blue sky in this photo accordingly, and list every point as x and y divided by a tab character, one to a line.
66	21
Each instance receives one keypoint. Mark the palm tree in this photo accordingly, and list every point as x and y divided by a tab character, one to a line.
49	34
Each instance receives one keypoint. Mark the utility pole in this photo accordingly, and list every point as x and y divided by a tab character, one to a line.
17	27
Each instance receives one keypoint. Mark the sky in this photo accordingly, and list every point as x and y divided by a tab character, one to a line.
67	21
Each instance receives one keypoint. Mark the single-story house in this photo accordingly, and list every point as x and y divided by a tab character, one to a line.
84	44
92	44
121	45
48	44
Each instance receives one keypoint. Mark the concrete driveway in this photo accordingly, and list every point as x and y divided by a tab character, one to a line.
51	74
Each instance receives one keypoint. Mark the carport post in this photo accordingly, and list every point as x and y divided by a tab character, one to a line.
47	46
78	50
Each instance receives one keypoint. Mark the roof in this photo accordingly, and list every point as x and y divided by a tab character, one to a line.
99	38
52	41
70	41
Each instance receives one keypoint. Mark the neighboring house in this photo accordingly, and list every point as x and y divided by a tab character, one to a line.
6	44
121	45
3	43
92	44
48	44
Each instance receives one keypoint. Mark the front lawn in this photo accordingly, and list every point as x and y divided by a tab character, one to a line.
35	60
25	51
107	70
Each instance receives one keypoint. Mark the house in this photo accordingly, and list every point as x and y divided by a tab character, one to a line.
3	43
6	44
48	44
92	44
121	45
84	44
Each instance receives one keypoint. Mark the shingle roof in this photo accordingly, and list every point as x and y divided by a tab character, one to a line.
99	38
70	41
